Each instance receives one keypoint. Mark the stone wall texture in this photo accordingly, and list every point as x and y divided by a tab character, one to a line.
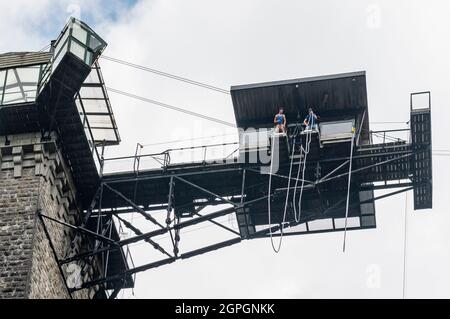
33	179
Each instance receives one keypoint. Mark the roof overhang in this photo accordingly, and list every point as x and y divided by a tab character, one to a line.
338	95
23	59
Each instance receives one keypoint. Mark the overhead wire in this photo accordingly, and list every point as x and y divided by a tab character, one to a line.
188	140
45	48
389	122
171	107
167	75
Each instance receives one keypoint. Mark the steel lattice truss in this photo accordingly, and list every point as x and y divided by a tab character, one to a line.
102	215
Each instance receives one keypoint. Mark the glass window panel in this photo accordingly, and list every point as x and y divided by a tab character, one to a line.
95	92
2	78
88	59
77	50
28	75
21	85
62	43
11	78
13	96
59	57
99	121
94	43
93	77
95	106
100	135
79	33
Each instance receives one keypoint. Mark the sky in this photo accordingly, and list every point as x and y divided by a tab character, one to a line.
403	47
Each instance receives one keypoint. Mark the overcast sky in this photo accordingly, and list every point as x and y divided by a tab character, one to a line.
403	46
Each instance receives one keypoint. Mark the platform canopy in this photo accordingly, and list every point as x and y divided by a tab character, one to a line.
95	108
332	96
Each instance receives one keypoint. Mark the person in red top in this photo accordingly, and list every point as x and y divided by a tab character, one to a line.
280	121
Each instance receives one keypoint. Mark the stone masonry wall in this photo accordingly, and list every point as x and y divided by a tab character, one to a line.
33	178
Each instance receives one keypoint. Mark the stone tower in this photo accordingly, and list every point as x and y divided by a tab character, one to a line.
49	166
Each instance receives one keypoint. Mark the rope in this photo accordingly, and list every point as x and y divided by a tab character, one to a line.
348	190
303	178
277	249
405	245
306	152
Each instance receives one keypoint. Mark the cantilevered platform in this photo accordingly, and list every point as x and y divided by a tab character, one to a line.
338	99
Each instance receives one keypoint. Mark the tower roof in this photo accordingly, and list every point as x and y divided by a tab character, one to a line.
22	59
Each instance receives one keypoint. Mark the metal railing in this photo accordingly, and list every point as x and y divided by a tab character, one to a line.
389	136
201	155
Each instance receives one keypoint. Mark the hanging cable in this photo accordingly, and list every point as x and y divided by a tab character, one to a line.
348	189
308	138
305	156
189	139
167	75
171	107
296	182
405	245
405	241
277	249
45	48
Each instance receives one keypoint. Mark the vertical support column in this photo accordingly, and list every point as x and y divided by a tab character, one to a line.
169	220
421	142
246	227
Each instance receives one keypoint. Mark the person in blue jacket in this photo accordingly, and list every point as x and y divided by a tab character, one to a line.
311	121
280	121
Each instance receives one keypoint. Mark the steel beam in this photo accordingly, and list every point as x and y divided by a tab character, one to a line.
128	201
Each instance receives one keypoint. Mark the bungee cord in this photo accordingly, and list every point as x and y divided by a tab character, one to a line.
277	249
348	191
305	153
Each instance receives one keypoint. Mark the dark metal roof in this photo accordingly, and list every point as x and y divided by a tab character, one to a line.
20	59
331	95
301	80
